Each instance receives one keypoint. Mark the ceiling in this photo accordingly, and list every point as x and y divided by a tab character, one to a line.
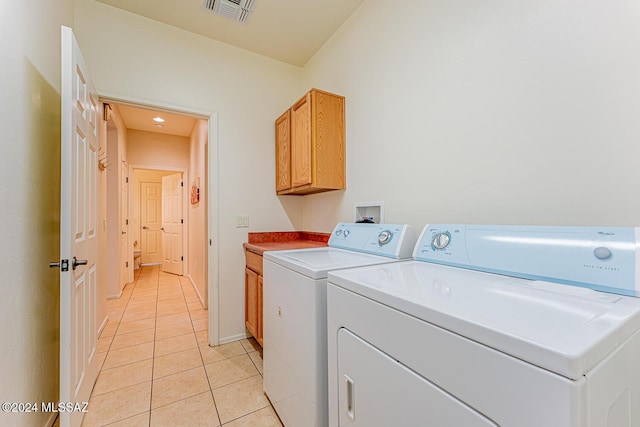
142	119
291	31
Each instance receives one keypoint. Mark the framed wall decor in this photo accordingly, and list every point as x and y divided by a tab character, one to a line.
195	191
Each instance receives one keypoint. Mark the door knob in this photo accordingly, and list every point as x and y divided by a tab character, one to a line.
123	232
63	265
76	262
144	227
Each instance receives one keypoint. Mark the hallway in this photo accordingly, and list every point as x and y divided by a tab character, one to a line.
158	370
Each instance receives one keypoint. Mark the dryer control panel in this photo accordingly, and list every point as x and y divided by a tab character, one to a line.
391	240
601	258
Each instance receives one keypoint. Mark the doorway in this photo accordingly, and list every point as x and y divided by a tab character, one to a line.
154	147
157	214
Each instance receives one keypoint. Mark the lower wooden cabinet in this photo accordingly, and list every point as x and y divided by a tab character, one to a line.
253	295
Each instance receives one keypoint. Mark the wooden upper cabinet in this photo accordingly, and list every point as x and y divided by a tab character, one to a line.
283	151
310	156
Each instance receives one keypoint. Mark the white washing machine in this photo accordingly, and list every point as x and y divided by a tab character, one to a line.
490	326
294	313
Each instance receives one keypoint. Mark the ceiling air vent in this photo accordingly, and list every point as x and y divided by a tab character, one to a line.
236	10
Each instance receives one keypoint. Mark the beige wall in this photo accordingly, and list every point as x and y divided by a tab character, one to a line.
30	208
132	57
197	221
157	150
487	112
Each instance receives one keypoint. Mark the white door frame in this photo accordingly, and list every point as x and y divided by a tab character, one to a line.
212	186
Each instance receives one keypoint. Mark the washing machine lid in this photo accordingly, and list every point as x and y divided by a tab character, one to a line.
317	262
561	328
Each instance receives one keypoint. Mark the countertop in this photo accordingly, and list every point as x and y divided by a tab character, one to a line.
280	240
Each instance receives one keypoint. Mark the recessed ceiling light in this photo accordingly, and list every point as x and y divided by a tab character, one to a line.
158	119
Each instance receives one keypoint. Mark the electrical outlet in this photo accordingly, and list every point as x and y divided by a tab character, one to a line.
242	220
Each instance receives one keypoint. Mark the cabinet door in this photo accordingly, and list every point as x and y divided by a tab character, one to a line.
301	142
260	323
251	301
283	152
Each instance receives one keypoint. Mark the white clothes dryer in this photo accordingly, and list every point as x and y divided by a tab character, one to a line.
294	313
490	326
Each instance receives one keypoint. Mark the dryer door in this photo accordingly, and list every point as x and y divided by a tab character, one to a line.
378	391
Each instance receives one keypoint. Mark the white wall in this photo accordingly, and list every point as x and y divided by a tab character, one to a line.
133	57
197	222
487	112
30	208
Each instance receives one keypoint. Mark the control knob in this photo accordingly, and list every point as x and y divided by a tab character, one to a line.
441	240
384	237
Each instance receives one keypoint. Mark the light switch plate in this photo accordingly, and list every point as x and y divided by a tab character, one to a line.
242	220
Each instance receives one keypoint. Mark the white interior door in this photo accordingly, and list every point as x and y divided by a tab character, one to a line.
124	225
78	231
172	223
151	222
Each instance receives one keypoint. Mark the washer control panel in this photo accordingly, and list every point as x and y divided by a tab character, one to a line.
601	258
391	240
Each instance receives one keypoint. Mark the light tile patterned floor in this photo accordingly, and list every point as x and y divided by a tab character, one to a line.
158	370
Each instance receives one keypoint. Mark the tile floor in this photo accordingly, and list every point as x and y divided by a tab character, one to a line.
158	370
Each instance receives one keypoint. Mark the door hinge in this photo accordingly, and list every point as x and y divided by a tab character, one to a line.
209	242
126	264
182	221
126	180
181	184
181	258
126	222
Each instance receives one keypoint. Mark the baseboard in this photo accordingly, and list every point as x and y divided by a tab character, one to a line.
232	338
103	325
115	296
119	295
195	288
